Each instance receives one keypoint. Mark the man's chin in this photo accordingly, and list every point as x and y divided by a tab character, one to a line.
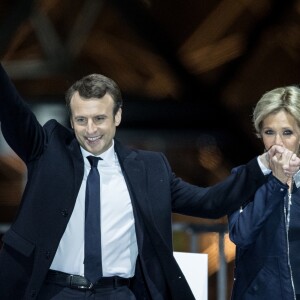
95	150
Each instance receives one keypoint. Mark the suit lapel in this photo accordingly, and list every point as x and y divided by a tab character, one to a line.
78	165
136	178
134	173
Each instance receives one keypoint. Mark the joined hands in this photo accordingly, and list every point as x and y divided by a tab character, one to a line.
283	162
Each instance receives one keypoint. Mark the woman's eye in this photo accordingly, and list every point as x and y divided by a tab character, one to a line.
288	132
269	132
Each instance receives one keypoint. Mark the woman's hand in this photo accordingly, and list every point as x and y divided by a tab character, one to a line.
283	162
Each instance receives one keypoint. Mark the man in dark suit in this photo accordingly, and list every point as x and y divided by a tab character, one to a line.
43	256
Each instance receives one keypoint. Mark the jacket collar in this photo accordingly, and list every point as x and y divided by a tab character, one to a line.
296	178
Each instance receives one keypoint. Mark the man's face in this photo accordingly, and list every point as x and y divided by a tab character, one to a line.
93	122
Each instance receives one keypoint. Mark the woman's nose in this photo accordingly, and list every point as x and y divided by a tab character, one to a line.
278	140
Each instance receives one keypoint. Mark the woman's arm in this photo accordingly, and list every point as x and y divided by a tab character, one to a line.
247	223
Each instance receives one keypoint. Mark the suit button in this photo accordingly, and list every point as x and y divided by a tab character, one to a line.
33	294
64	213
47	255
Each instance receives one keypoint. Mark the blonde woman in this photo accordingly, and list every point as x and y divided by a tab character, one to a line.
266	231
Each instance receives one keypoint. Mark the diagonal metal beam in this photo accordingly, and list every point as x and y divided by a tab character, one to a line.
149	30
84	23
47	35
59	54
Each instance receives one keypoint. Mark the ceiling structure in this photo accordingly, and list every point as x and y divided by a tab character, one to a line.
183	64
185	67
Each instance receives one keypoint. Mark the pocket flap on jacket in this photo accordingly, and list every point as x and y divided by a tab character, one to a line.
12	239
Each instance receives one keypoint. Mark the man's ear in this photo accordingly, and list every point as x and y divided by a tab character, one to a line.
118	117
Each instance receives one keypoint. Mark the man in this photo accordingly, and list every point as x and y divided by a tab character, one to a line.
44	252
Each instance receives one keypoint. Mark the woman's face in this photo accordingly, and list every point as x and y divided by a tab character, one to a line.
281	129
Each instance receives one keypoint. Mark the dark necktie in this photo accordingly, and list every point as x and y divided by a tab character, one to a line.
92	242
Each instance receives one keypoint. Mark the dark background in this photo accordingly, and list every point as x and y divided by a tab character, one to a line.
190	71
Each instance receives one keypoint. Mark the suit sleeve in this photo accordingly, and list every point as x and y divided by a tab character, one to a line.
220	199
19	125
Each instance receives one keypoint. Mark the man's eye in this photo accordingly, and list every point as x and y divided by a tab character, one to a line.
99	119
80	120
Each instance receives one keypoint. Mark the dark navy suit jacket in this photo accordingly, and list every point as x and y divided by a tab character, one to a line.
55	171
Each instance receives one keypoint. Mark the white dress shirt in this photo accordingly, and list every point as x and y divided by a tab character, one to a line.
118	236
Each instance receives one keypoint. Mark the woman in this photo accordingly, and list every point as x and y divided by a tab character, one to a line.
267	230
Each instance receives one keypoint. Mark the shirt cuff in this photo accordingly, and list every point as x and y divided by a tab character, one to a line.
263	168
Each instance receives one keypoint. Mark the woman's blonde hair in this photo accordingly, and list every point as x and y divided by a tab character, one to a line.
283	98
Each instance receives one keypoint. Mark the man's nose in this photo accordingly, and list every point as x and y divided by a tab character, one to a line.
91	127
